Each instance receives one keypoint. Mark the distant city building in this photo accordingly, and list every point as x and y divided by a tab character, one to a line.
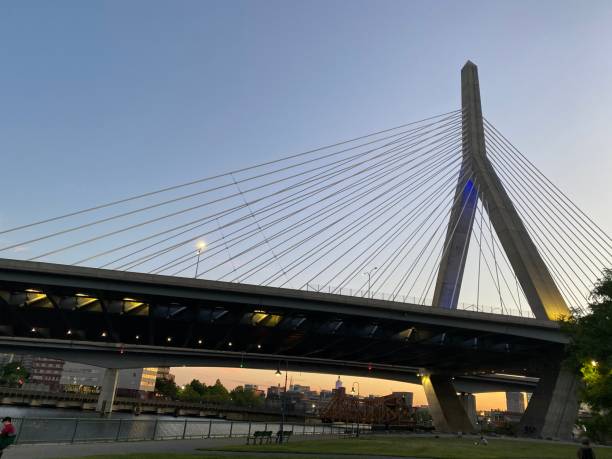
274	392
300	388
78	377
164	373
515	402
44	372
255	389
137	381
407	396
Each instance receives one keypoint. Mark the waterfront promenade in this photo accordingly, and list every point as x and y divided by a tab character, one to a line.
49	451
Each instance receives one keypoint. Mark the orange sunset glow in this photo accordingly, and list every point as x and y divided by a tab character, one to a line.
232	377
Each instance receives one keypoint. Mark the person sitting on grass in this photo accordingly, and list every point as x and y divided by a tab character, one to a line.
585	451
7	435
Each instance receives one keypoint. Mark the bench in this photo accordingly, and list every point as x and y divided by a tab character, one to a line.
283	435
261	435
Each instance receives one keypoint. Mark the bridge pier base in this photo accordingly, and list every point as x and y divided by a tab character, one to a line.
553	408
446	408
107	392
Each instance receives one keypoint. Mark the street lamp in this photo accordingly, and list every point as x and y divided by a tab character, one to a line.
200	246
358	407
369	274
282	398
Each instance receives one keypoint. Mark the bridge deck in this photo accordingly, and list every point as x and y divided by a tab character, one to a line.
50	305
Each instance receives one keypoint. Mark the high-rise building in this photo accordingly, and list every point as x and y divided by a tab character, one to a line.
515	402
136	381
78	377
164	373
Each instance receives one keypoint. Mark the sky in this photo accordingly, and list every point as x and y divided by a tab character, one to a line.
105	99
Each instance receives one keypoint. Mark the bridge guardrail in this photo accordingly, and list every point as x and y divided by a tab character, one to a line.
84	430
364	293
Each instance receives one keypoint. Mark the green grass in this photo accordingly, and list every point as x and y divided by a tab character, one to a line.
171	456
429	447
411	446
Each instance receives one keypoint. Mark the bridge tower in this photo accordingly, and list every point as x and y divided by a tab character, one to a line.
553	406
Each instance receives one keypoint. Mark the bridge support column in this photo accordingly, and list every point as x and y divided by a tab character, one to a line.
107	392
553	408
469	405
445	406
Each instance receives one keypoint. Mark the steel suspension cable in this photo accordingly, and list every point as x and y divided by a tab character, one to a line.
205	179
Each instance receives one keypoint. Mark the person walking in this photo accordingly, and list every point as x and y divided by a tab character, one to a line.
585	451
7	435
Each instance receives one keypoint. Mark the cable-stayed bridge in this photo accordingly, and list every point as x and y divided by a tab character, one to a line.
431	252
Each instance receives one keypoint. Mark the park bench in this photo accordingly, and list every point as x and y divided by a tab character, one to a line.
283	436
261	435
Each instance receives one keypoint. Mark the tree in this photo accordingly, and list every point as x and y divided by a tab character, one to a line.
590	356
13	374
242	397
167	388
198	386
188	394
217	393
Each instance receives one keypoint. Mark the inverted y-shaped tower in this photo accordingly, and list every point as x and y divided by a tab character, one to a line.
478	180
553	406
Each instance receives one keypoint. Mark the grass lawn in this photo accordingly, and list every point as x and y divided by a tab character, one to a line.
171	456
430	447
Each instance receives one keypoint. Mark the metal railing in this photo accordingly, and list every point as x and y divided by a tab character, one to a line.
83	430
365	293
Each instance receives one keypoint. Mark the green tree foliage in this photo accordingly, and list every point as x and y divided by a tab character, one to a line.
218	393
167	388
590	355
199	387
242	397
13	374
189	394
197	391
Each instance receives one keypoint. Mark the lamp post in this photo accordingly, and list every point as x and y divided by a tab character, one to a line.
369	274
358	406
201	246
282	398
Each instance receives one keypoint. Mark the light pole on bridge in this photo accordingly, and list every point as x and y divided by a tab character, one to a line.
369	274
201	246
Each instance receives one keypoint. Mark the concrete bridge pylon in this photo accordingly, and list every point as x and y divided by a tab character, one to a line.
553	407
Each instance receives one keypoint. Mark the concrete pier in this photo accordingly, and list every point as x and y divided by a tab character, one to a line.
445	406
107	393
552	410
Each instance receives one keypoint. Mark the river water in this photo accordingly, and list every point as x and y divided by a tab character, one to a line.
33	412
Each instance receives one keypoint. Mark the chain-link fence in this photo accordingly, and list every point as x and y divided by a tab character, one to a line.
74	430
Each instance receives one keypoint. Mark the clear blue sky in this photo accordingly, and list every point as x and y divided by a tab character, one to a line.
102	99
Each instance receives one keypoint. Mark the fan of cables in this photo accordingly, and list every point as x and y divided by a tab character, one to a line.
366	216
